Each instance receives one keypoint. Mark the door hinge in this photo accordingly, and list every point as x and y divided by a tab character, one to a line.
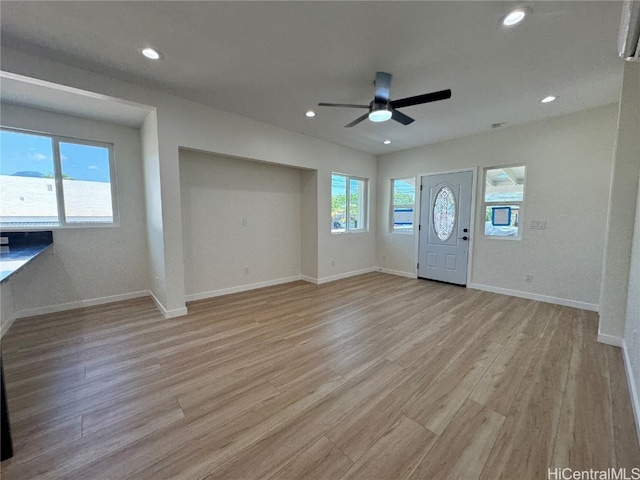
418	266
419	227
420	187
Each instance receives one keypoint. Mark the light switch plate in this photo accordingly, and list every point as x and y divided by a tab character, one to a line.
537	225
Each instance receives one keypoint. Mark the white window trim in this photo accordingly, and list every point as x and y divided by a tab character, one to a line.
364	206
57	171
393	206
520	204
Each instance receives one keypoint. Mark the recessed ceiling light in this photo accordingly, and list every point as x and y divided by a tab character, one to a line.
310	114
514	17
548	99
150	53
387	142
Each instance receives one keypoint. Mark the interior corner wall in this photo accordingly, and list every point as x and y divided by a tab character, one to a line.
621	214
568	161
194	126
87	265
631	339
153	208
7	313
309	224
191	125
236	215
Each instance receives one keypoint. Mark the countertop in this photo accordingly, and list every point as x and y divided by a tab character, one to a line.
12	259
22	249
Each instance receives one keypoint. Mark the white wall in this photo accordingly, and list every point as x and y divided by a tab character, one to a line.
153	209
87	264
309	224
7	313
238	214
199	127
185	124
622	199
568	161
631	341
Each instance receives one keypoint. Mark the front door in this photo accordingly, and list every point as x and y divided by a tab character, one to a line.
445	215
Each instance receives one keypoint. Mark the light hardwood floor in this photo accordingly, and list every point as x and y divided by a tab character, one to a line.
374	377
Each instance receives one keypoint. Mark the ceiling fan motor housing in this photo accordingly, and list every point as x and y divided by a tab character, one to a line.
380	112
382	108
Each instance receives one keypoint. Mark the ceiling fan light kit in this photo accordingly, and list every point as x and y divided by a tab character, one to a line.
382	108
380	113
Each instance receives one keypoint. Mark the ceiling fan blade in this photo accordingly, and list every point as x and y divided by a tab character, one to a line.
357	121
382	83
401	117
347	105
418	99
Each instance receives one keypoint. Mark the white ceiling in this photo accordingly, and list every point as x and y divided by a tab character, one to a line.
19	90
272	61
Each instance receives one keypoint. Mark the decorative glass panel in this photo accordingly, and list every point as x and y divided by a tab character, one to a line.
444	213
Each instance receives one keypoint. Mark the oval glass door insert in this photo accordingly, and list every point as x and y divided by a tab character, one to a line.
444	213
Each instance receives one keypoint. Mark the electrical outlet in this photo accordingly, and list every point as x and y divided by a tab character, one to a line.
246	270
528	277
333	263
384	259
157	282
244	222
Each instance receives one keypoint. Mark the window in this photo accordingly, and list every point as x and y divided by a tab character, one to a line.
50	181
403	202
503	201
348	204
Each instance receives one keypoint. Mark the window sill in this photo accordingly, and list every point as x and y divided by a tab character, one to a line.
58	227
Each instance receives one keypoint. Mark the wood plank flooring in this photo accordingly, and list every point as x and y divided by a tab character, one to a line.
373	377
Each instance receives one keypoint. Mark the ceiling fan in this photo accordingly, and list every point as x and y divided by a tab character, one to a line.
382	109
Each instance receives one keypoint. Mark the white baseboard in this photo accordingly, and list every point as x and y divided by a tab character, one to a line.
7	325
243	288
609	339
633	388
398	273
30	312
534	296
333	278
167	314
279	281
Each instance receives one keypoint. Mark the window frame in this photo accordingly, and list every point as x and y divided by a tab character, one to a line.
364	203
506	203
393	206
57	172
